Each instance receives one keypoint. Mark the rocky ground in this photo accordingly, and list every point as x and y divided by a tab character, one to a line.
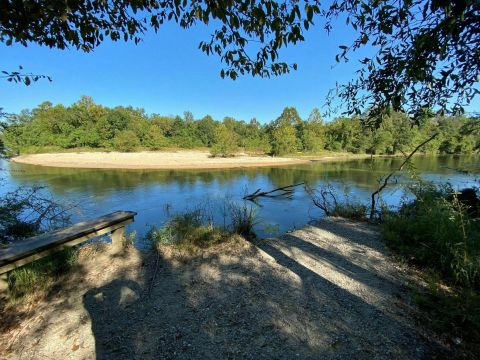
326	291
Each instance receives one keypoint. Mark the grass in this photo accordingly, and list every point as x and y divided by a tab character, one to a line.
38	274
243	219
189	229
130	239
195	229
452	312
435	233
353	211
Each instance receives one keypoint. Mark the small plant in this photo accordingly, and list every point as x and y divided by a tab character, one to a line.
188	229
130	239
36	275
353	211
243	219
162	236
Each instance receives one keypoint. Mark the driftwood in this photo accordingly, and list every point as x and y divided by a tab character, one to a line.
284	191
400	168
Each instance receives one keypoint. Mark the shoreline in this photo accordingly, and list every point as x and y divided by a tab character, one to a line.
167	160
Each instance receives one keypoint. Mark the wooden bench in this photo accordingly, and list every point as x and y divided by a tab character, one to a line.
37	247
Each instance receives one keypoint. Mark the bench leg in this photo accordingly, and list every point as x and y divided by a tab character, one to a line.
3	285
118	238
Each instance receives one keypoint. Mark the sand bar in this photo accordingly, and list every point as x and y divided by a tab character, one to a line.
152	160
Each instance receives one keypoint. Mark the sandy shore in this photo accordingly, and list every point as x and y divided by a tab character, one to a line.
152	160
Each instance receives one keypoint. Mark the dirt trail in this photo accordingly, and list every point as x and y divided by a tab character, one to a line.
325	291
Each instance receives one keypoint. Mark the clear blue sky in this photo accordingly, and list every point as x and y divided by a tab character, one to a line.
167	74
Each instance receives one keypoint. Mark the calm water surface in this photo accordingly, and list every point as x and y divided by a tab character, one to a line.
156	195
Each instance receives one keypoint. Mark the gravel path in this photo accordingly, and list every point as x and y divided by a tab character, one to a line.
325	291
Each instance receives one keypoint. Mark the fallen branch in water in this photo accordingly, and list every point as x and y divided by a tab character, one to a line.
284	191
323	198
400	168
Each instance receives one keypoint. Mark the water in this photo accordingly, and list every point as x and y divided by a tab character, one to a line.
156	195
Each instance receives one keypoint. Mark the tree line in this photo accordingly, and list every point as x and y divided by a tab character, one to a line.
85	124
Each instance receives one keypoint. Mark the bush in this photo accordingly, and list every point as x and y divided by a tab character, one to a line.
435	231
225	142
353	211
126	141
190	228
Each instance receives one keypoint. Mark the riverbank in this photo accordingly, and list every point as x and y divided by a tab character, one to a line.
328	290
193	159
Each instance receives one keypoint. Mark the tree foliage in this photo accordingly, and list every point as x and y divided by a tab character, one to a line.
86	124
225	142
425	52
426	55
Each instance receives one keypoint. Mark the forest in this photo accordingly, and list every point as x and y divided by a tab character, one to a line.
87	125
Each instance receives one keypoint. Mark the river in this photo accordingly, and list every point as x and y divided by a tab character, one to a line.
157	194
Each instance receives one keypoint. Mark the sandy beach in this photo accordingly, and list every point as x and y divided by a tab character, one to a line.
194	159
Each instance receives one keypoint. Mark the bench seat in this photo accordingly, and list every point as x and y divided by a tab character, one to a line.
23	252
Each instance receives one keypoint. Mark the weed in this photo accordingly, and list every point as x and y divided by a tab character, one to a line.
435	231
243	219
189	228
130	239
36	275
353	211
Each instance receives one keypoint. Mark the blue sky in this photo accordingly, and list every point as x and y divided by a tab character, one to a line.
167	74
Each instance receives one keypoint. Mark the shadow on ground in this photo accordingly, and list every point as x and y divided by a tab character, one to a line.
311	294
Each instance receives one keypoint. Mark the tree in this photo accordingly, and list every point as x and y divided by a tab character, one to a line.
313	133
225	142
425	52
255	138
285	132
426	55
288	117
154	138
206	130
126	141
284	140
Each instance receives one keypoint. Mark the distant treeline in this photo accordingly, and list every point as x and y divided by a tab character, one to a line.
88	125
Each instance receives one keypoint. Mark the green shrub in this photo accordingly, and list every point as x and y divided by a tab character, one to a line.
189	228
162	236
225	142
435	231
353	211
130	239
126	141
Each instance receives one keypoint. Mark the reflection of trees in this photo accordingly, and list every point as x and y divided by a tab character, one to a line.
362	173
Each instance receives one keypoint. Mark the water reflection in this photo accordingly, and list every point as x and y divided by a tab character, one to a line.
148	192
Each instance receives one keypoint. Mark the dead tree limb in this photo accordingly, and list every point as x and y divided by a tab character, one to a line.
321	198
400	168
284	191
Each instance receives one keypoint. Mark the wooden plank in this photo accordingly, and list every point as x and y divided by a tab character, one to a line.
60	247
83	230
3	283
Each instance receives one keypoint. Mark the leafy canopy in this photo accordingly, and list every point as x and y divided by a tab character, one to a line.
426	52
